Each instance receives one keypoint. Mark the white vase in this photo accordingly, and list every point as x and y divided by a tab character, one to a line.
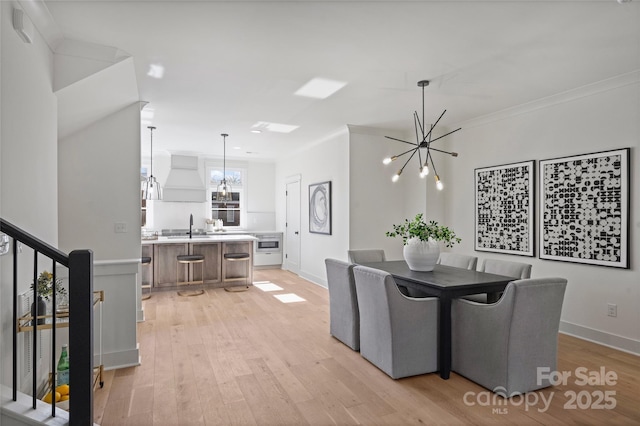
421	255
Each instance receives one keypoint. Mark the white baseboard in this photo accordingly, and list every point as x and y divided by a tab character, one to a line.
315	280
600	337
122	359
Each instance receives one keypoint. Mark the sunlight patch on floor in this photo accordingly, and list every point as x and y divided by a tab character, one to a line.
267	286
289	298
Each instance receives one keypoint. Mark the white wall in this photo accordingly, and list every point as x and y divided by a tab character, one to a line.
260	193
325	161
600	117
99	169
28	171
376	203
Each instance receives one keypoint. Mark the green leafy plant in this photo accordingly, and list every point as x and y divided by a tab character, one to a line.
45	286
418	228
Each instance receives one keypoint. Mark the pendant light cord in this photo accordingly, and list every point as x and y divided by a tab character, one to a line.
151	128
224	158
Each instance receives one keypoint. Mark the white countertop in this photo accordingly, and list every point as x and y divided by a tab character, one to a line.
201	239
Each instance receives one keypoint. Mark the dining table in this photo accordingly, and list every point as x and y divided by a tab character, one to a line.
446	283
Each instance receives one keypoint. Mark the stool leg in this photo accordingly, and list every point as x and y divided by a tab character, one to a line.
189	283
144	296
246	277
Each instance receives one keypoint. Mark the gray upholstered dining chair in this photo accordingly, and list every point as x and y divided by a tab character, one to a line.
458	260
501	345
398	334
344	322
372	255
517	270
366	256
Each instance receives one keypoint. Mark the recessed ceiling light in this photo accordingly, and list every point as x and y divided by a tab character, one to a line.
275	127
320	88
236	147
155	71
256	131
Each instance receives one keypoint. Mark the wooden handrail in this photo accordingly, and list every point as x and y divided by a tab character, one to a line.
33	242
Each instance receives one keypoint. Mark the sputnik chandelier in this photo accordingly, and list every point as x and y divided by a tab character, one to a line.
422	141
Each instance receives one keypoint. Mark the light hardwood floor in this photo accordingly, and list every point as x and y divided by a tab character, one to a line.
246	358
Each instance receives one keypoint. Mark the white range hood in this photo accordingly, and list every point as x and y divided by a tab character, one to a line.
184	183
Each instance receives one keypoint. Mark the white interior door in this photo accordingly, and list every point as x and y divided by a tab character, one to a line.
292	233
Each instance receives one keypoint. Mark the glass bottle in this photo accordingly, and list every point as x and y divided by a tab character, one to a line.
63	367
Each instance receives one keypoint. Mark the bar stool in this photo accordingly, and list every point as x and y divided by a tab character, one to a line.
190	259
237	257
146	261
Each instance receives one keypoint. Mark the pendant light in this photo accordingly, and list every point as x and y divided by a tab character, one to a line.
150	187
223	193
422	141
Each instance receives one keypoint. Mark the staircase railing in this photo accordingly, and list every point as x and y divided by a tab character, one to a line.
80	266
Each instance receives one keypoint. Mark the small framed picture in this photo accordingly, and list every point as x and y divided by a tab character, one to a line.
320	208
504	208
584	208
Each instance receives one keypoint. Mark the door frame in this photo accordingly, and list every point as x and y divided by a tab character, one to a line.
289	180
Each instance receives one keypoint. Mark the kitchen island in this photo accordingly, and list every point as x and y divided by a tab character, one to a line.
163	270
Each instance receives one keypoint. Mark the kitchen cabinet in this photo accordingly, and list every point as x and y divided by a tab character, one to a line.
165	264
211	253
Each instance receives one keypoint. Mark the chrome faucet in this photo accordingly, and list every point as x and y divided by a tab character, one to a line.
190	225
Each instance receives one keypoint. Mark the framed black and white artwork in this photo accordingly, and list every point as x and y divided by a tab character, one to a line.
504	208
320	208
584	208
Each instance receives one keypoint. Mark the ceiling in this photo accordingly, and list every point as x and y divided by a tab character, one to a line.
230	65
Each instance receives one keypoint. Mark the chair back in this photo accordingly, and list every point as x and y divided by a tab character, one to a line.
344	317
532	310
366	256
502	345
510	269
458	260
398	334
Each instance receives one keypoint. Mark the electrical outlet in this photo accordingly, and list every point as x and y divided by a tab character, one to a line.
120	228
612	309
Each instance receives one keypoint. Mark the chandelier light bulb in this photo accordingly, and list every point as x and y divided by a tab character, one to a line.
396	176
439	184
425	170
388	160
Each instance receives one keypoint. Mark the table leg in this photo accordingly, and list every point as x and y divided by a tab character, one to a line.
445	337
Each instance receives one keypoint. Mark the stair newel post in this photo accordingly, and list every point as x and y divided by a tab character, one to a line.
81	336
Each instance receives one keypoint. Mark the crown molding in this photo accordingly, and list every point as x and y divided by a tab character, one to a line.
616	82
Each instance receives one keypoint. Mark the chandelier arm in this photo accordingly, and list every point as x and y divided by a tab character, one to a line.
435	172
406	152
433	126
408	159
453	154
416	123
440	137
416	118
400	140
